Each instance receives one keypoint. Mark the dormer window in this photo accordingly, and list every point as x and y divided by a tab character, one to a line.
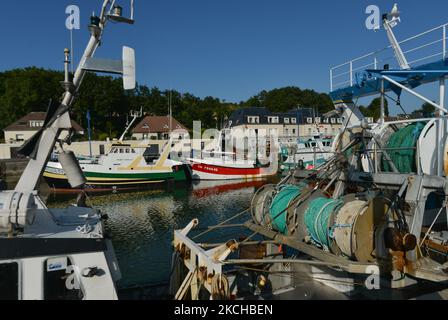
273	120
293	120
253	120
286	120
36	124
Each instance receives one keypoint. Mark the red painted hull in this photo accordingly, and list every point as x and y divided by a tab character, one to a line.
203	171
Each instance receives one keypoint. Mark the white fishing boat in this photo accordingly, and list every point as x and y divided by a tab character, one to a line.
127	166
124	167
308	153
241	164
62	254
367	221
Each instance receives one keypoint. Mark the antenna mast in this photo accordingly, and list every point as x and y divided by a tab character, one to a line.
135	115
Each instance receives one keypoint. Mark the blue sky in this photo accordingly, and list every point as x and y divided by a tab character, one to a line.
230	49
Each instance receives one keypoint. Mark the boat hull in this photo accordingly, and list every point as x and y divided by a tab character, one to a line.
203	171
114	181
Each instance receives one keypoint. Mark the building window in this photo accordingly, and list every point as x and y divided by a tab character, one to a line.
333	120
309	121
253	119
293	120
36	124
317	120
287	120
339	120
273	120
294	131
20	137
286	132
326	120
9	281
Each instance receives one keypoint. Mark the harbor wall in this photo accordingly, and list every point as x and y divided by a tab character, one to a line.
10	172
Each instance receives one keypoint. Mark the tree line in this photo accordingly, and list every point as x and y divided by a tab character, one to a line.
30	89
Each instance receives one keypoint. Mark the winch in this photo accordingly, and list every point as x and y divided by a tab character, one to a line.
16	210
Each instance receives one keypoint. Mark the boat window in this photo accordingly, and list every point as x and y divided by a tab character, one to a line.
60	280
128	150
121	150
9	281
313	144
133	151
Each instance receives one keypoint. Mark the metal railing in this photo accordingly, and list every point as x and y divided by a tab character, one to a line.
423	47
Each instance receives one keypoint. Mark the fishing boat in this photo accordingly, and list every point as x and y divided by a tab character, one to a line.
308	153
253	161
124	167
60	254
367	222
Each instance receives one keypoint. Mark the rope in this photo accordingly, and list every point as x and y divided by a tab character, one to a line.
287	194
221	224
317	217
220	288
402	148
432	225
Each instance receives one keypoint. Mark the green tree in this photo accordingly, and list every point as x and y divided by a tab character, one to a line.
374	109
428	108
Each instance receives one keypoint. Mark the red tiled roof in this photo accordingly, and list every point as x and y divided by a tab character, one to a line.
23	124
156	124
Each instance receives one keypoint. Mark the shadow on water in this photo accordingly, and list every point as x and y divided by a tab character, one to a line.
142	223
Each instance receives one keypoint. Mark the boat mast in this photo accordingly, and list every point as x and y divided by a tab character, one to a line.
135	115
170	101
30	178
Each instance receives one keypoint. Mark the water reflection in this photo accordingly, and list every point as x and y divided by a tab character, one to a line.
142	223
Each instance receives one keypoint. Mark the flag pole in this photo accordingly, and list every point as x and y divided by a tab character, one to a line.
89	130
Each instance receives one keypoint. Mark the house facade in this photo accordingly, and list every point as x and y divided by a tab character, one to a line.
158	128
286	125
27	126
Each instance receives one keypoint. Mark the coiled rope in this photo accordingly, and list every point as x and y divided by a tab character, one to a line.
402	148
220	288
317	219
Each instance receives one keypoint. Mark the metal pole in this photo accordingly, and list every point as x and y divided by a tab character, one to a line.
351	73
31	175
382	102
273	261
444	42
89	130
414	93
441	128
442	96
331	80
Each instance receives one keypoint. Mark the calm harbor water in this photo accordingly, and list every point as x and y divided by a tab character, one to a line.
142	223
